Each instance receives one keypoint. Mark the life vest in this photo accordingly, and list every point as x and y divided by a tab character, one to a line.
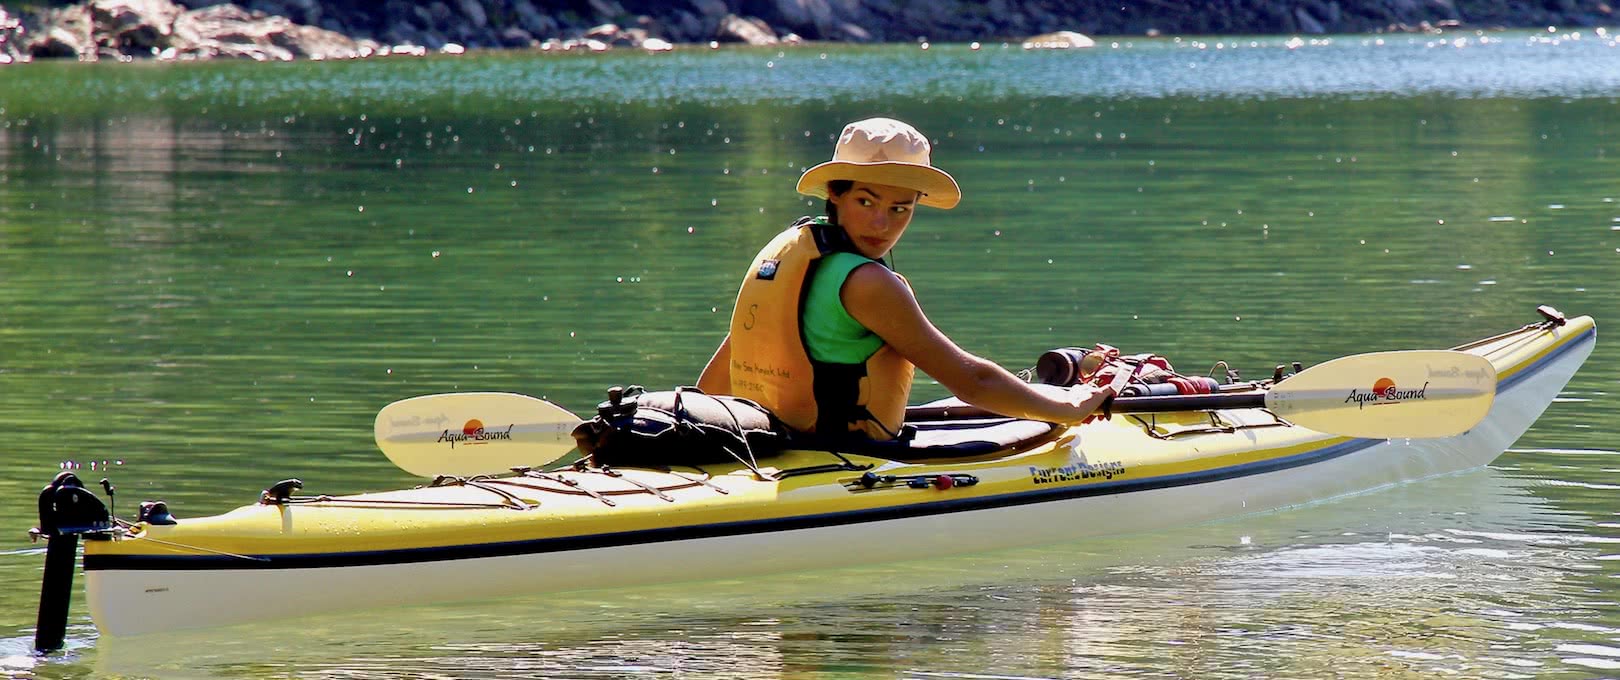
769	363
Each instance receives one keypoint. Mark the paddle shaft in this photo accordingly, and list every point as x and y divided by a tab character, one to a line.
1187	402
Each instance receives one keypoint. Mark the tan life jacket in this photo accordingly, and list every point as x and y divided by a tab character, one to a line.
769	363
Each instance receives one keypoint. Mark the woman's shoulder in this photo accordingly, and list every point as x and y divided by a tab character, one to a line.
835	268
875	284
844	259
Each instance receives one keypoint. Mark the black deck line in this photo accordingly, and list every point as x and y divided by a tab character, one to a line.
747	527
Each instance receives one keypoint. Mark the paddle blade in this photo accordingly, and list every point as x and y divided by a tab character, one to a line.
1388	395
473	433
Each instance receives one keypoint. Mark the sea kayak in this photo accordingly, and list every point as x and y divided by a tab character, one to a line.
988	483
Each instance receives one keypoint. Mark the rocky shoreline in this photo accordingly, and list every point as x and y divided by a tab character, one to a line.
282	30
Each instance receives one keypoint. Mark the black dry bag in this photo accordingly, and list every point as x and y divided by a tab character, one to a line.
684	426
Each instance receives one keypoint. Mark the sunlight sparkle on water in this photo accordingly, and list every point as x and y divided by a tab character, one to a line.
1605	664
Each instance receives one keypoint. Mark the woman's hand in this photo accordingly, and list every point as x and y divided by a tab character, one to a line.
1092	399
1087	400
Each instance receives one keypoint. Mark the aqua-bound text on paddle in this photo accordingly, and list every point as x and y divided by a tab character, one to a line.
1384	393
476	435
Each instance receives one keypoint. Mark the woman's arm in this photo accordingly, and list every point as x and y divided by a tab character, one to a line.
884	304
716	377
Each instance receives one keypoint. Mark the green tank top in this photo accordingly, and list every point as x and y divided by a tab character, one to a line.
830	333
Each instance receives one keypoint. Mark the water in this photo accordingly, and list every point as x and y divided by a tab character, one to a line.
215	274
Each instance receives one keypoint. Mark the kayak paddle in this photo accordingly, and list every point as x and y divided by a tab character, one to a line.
1392	395
473	433
1379	395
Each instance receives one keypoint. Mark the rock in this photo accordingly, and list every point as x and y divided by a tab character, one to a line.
831	19
62	43
805	12
439	13
133	27
532	20
1447	10
460	33
64	33
406	51
122	29
711	12
1334	15
424	18
400	32
612	35
686	27
475	14
12	44
1404	10
515	36
307	12
747	30
607	9
715	8
319	43
586	44
1060	40
1040	17
433	39
916	23
631	37
219	22
853	32
230	31
59	42
1308	23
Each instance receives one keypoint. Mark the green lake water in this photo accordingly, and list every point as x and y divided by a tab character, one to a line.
213	275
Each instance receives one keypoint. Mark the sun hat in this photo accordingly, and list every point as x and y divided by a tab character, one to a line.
884	151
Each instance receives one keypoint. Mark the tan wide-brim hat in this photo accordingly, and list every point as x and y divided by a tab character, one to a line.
884	151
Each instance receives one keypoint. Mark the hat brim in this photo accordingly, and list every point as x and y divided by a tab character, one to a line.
938	189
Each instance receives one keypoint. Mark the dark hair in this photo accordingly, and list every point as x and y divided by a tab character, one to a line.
836	187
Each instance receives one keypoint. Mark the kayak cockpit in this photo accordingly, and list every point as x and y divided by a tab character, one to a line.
977	438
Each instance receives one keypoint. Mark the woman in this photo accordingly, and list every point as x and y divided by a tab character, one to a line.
826	335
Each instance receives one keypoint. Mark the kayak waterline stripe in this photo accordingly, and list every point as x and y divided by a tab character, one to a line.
773	525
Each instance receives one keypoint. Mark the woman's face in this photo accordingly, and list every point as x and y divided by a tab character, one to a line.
875	216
